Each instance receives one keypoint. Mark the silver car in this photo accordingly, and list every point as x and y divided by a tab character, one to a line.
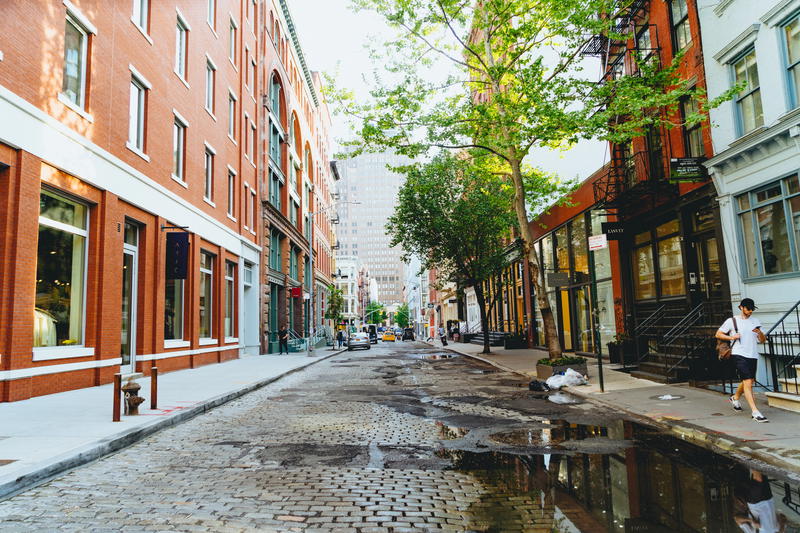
358	340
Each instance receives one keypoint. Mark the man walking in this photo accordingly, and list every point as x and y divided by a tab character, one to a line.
744	332
340	338
283	340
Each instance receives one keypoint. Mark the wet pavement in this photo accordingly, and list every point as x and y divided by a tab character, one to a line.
404	437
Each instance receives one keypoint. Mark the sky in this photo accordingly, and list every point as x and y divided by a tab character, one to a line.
333	36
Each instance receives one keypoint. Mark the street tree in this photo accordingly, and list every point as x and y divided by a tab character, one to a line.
401	316
503	78
375	313
455	213
335	304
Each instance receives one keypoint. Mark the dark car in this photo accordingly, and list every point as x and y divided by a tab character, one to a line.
408	334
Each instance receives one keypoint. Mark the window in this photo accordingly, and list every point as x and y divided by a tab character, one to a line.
141	14
206	294
252	147
231	116
748	102
173	309
293	270
293	213
275	97
692	134
60	271
136	115
232	42
230	297
663	277
211	17
252	74
792	36
275	139
253	210
181	39
76	43
208	190
231	193
275	251
211	72
681	33
178	149
770	224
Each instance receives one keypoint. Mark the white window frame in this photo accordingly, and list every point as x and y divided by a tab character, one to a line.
137	144
252	73
231	193
230	291
233	31
211	81
246	133
211	16
140	16
80	105
252	147
210	296
208	170
181	47
246	207
232	115
183	124
252	211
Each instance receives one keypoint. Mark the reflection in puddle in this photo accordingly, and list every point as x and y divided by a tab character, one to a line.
433	356
660	484
449	432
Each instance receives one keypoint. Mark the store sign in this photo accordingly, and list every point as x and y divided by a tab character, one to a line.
557	279
296	292
687	169
177	255
613	231
598	242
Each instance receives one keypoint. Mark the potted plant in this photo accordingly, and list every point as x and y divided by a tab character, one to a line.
548	367
617	348
513	341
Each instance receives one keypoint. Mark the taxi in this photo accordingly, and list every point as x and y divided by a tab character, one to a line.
388	336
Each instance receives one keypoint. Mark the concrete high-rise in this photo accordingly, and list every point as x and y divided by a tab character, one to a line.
362	230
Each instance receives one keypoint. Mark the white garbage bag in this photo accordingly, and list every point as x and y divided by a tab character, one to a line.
567	379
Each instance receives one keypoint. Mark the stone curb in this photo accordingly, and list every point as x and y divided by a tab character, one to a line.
684	431
118	441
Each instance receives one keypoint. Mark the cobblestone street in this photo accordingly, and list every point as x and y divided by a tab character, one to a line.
403	437
367	441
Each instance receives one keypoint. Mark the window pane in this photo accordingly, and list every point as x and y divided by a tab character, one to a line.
62	210
670	263
792	185
602	257
60	271
774	238
136	116
794	209
206	295
72	86
641	238
180	50
744	201
749	243
667	228
643	275
562	249
605	312
766	194
579	251
177	150
173	309
793	40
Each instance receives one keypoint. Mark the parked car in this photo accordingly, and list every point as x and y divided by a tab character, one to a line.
388	336
358	340
408	334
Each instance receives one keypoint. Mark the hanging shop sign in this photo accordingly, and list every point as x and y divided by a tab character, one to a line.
687	169
614	231
177	255
557	279
296	292
430	306
598	242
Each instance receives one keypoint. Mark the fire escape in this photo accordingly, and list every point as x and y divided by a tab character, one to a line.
636	177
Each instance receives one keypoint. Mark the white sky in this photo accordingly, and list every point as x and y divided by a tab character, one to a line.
333	37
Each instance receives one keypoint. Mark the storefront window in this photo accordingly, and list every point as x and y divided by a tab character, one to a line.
644	279
580	252
606	324
173	310
774	240
230	295
60	271
602	257
583	324
562	249
670	264
548	262
206	293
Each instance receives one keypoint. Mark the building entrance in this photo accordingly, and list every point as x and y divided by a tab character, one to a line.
130	267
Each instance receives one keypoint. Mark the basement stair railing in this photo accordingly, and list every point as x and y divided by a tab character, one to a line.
783	350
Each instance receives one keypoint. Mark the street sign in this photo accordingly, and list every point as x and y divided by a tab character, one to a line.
597	242
557	279
687	169
430	306
614	231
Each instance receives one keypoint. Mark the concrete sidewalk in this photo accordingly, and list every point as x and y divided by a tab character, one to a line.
46	435
702	416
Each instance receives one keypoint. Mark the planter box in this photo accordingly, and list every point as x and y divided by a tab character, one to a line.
514	343
545	371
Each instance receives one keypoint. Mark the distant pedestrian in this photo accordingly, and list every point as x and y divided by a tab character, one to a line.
283	340
442	335
340	338
744	332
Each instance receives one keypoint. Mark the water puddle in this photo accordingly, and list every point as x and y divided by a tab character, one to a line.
621	477
433	356
450	432
562	398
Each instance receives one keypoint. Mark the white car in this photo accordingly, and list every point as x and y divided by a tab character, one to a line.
358	340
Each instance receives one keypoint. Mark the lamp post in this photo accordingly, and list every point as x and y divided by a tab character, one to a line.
311	268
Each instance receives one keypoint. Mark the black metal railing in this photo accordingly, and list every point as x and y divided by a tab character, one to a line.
783	351
632	177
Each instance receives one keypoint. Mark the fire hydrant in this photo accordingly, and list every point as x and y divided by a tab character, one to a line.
132	399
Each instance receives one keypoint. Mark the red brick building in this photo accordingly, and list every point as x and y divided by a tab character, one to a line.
121	124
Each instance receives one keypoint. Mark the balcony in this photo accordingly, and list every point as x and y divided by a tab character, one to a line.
632	181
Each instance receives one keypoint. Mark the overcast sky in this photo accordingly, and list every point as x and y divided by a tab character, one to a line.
333	38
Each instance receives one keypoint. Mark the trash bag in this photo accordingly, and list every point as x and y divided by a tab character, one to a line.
567	379
538	386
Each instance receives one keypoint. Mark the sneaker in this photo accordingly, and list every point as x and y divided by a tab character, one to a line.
735	403
758	417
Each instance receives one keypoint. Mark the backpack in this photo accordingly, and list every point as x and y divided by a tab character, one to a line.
724	347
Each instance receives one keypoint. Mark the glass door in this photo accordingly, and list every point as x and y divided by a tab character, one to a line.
130	266
710	271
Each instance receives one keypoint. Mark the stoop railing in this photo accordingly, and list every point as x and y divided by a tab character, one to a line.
783	351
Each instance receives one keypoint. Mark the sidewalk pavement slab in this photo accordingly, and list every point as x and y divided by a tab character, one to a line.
698	415
46	435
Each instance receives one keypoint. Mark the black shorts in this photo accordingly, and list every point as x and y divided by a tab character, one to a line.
745	366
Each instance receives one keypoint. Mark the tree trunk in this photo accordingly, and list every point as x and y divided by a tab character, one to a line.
484	318
528	251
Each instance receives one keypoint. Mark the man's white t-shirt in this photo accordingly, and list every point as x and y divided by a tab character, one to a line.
747	344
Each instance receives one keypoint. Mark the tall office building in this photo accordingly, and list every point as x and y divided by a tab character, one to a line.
362	231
